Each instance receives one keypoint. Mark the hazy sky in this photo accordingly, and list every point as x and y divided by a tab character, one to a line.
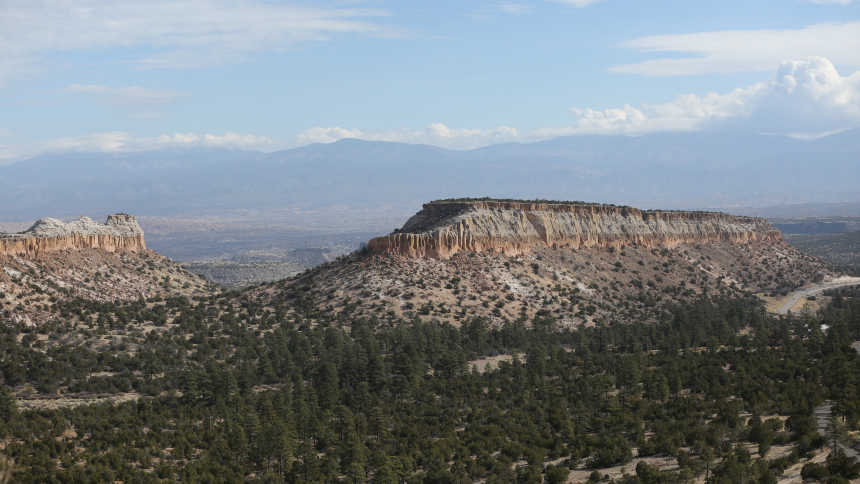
139	74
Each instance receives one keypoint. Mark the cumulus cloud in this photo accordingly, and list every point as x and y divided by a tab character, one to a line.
730	50
229	140
108	141
128	97
120	142
436	134
193	33
802	98
326	135
805	99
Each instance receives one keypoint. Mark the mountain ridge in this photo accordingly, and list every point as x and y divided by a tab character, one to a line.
669	170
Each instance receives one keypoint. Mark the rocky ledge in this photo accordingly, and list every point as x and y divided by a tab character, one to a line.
48	234
442	229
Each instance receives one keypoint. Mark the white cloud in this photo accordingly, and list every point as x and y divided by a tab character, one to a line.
805	99
129	97
745	50
109	141
229	140
487	13
119	142
802	98
436	134
325	135
176	34
512	8
578	3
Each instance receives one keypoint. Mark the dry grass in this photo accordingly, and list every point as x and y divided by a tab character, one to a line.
93	274
43	402
629	284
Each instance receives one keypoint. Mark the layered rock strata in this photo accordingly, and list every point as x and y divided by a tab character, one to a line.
441	230
120	232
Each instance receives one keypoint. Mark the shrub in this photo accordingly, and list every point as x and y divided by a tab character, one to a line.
556	474
611	451
814	471
840	464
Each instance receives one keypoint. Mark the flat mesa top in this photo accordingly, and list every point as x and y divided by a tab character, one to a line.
550	203
119	225
447	213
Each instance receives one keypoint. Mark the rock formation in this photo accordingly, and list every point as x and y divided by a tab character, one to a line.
48	234
442	229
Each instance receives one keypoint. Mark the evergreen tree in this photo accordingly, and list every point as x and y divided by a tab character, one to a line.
8	407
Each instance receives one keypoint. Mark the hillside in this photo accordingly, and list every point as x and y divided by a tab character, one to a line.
352	176
580	263
53	262
356	372
576	263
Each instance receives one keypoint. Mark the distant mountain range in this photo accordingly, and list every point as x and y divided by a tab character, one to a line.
653	171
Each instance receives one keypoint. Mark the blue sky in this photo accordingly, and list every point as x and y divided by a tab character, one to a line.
146	74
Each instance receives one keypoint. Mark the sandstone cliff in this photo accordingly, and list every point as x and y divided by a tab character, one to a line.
119	232
442	229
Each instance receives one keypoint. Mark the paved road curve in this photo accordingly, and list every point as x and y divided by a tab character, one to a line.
822	413
811	291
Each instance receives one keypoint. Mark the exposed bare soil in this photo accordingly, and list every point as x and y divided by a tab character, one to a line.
575	286
30	287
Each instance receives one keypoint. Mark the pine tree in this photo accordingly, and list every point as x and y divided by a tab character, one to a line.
836	432
284	449
377	422
384	475
188	386
355	473
8	407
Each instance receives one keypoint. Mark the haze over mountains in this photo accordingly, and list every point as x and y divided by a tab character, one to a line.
660	170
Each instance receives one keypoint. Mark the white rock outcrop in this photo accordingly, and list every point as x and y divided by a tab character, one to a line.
443	229
121	231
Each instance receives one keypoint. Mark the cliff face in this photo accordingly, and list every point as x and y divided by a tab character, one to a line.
441	230
48	234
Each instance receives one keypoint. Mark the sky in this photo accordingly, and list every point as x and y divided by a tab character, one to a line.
99	75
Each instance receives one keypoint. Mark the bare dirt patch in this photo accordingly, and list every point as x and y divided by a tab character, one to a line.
43	402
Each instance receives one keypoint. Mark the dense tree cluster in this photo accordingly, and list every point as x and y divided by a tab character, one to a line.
278	391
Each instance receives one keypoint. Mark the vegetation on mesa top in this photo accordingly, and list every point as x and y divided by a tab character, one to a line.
555	202
516	200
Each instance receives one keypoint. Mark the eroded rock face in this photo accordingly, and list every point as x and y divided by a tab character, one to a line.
48	234
443	229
